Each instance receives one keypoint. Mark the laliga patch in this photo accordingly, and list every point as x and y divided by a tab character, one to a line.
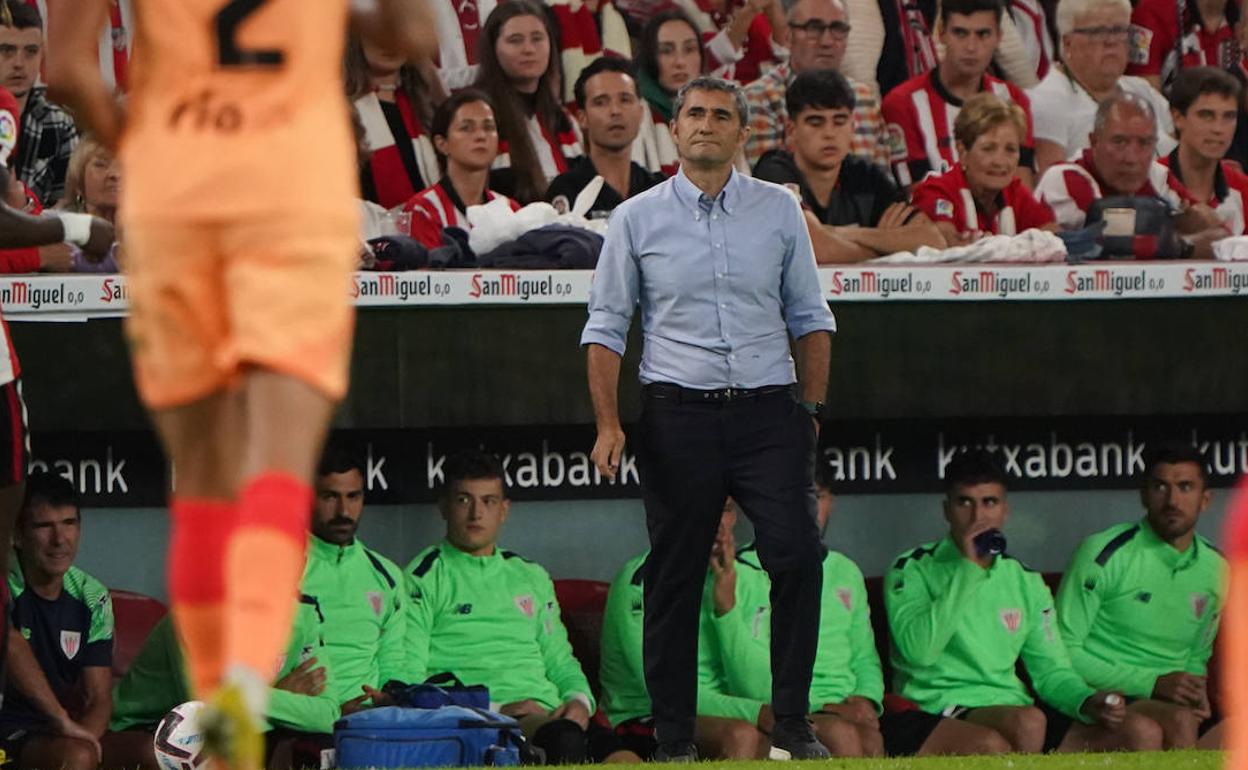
1200	602
375	601
8	129
1140	40
71	642
525	605
1011	619
944	208
846	598
895	142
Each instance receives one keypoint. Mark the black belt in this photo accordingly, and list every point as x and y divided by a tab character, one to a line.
724	395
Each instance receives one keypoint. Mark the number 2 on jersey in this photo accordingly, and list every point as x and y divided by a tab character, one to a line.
229	54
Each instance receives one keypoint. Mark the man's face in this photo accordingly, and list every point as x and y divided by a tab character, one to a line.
1209	125
708	131
1096	47
974	508
48	539
339	503
1174	497
612	114
820	137
970	42
1124	150
679	54
21	54
818	33
474	510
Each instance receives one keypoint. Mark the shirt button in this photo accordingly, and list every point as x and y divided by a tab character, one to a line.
714	216
723	305
732	356
719	275
719	245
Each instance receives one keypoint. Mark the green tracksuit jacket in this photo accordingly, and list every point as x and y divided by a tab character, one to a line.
622	671
735	648
360	595
490	620
958	629
156	681
1131	608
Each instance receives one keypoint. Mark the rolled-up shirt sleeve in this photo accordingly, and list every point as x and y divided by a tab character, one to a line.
805	309
614	294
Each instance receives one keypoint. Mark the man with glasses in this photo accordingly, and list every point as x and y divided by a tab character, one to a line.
818	32
1095	40
921	111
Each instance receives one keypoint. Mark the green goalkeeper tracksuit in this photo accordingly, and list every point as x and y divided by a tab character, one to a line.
957	630
360	595
490	620
735	648
1131	608
622	668
156	681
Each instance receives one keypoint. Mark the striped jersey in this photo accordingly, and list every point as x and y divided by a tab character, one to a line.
115	40
1230	188
919	115
1162	43
1033	27
1070	188
439	207
947	198
554	145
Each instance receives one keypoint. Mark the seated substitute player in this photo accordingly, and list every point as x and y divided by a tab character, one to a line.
921	112
847	687
358	592
852	206
983	195
962	613
466	139
490	617
1140	603
1204	104
609	111
58	696
624	698
300	701
241	345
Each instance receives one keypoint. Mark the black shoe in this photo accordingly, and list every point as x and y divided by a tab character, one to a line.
676	751
792	738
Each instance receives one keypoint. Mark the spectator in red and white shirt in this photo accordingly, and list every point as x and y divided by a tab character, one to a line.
537	137
1204	102
920	113
743	38
982	194
466	138
1120	161
393	101
1163	43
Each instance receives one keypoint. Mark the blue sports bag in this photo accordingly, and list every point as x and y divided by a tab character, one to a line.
451	736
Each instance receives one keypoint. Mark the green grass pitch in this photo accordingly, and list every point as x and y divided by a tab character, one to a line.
1161	760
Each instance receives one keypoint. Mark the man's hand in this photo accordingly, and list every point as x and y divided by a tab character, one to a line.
56	258
966	543
854	709
724	568
896	215
573	710
608	449
305	679
522	708
71	729
1107	709
766	719
372	698
1182	688
101	240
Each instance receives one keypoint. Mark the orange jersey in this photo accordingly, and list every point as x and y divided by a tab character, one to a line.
236	107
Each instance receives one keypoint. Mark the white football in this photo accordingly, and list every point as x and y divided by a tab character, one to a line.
180	739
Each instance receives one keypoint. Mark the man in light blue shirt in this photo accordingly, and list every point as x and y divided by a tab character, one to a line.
722	268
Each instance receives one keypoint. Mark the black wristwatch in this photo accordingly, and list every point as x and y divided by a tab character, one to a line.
815	409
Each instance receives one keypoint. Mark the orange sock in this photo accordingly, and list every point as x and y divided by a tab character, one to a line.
199	531
264	564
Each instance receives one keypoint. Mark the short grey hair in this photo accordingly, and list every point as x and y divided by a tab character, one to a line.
712	83
788	7
1069	10
1120	98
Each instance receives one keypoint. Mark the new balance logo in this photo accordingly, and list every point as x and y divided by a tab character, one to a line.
463	609
1144	596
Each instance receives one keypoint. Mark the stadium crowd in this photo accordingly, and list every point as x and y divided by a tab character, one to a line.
932	125
969	651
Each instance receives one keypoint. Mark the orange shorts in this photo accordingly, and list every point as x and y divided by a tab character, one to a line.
209	300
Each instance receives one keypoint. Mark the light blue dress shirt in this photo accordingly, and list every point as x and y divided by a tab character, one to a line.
722	284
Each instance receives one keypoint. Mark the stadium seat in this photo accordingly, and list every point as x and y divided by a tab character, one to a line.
582	603
134	617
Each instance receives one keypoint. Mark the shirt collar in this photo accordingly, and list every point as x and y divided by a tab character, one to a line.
1220	188
1168	554
449	550
691	196
329	550
943	93
947	550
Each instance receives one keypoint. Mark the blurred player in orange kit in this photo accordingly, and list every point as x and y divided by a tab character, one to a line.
1235	634
241	233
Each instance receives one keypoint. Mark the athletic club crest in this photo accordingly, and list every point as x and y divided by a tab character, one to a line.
1011	619
1200	602
846	598
71	642
525	605
375	601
